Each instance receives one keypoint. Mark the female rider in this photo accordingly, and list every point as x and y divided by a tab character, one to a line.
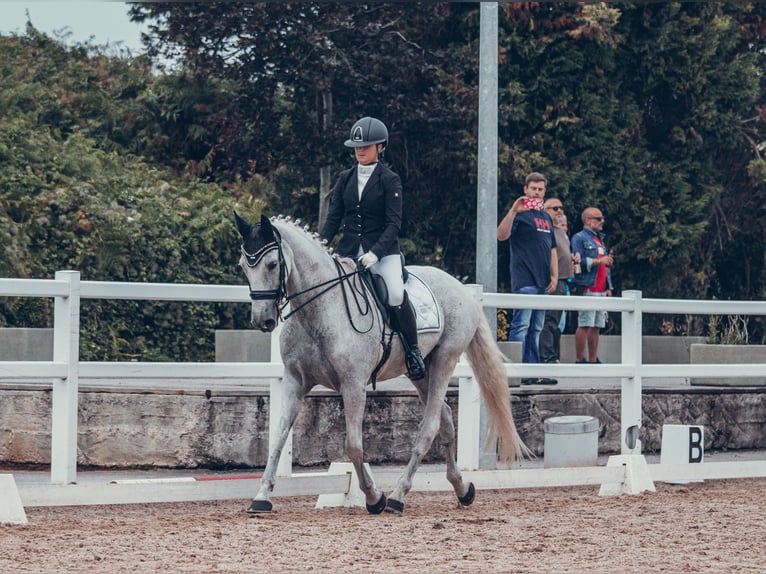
368	199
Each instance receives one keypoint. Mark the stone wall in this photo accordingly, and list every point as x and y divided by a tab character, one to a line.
229	430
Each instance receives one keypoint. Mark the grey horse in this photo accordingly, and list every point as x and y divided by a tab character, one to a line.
334	337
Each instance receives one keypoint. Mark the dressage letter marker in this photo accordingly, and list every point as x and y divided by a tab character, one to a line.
682	444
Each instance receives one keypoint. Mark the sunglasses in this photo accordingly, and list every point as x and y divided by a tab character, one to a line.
597	218
557	208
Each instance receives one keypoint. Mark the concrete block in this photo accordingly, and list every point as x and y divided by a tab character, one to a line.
242	346
655	350
667	350
609	349
728	355
23	344
512	351
11	508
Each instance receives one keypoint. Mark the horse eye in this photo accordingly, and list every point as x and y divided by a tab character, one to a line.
271	265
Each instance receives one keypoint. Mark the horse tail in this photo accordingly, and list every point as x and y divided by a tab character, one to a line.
487	364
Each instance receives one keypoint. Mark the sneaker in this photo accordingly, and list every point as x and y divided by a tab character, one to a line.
544	381
539	381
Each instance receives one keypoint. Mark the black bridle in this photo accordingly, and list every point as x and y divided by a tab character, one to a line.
252	259
280	295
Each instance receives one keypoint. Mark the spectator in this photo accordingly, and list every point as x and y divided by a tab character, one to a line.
533	263
550	337
594	281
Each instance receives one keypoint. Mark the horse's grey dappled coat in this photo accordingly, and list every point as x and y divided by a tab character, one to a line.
334	342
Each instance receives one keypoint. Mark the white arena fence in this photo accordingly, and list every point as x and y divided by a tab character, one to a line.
65	373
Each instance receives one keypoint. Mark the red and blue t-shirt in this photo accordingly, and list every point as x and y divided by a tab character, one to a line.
531	241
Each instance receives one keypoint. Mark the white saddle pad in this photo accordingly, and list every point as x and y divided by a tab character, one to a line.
427	310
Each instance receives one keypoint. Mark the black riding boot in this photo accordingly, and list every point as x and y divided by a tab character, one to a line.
404	315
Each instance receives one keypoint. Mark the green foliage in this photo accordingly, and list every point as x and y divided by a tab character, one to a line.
72	199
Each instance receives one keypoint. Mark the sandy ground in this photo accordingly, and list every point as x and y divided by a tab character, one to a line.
715	526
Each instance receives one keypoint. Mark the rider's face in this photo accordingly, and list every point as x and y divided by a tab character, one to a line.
367	154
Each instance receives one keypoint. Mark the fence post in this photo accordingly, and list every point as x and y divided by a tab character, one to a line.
66	348
276	409
631	386
472	418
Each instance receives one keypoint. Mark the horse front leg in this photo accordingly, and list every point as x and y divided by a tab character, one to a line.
294	393
354	398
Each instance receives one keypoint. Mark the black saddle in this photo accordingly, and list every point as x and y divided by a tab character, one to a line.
377	287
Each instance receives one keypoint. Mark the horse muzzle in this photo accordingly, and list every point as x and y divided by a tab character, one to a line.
266	326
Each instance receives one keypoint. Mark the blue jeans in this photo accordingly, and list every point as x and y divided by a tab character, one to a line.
526	326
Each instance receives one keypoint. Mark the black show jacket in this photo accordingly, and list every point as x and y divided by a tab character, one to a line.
374	221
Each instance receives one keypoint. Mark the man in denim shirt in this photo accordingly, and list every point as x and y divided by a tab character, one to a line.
534	267
594	281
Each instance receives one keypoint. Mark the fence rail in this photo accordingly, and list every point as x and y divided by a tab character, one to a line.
65	370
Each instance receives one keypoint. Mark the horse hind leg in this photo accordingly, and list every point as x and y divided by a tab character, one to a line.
432	391
465	492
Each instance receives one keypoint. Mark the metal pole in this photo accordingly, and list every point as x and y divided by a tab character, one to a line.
486	200
486	194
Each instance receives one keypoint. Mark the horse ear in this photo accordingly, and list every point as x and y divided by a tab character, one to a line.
267	231
243	226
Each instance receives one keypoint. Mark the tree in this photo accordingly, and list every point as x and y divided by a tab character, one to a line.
73	198
290	60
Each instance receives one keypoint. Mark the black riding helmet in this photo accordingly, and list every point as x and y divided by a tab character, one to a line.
367	131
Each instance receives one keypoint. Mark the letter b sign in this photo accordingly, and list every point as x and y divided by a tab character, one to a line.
682	444
696	447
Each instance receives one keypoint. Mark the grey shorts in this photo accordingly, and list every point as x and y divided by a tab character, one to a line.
592	318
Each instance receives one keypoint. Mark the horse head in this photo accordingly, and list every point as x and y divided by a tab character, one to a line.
263	263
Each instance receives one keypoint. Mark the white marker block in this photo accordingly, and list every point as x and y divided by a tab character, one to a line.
11	509
682	444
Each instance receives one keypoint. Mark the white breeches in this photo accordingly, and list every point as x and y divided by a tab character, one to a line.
390	268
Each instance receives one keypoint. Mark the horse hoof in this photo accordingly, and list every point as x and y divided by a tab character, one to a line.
260	506
378	507
395	506
469	496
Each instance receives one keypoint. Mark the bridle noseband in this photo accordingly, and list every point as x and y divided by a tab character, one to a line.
252	259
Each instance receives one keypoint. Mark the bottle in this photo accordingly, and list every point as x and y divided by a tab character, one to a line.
576	268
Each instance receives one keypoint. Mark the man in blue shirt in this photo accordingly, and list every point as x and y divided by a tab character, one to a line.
534	268
595	280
